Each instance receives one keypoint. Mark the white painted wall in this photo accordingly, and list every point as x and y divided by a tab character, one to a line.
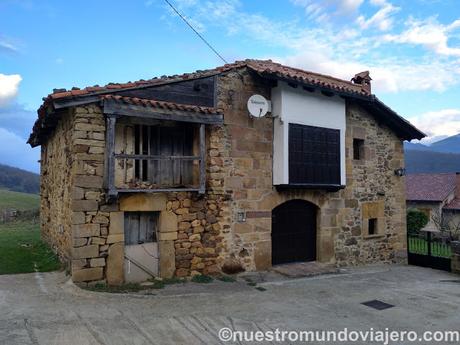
295	105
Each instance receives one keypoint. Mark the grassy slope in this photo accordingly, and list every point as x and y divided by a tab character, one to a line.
18	201
22	251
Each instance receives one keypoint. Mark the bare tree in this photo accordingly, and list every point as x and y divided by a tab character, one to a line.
447	224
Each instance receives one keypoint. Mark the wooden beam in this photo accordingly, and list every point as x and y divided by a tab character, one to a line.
156	190
202	159
115	108
156	158
82	100
110	159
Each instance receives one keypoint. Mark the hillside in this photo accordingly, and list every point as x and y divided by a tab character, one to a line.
19	180
447	145
451	144
18	201
431	162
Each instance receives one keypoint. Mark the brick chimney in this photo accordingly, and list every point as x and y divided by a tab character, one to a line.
457	185
363	79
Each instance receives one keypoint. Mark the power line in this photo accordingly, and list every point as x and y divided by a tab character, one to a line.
198	34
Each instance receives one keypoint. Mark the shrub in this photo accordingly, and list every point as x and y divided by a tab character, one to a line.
416	220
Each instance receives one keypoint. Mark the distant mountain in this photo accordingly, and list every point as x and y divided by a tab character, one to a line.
441	156
431	162
450	144
447	145
415	147
19	180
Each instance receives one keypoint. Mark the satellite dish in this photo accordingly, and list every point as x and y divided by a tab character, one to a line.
258	106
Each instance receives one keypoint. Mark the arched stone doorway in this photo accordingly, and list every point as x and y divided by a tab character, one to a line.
294	232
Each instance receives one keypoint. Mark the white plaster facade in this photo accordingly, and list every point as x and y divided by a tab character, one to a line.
293	105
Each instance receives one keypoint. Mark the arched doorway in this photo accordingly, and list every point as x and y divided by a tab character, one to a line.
294	232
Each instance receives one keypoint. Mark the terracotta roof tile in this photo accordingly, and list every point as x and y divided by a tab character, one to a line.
266	68
429	187
160	104
261	66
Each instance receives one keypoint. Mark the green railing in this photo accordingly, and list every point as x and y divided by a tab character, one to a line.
422	246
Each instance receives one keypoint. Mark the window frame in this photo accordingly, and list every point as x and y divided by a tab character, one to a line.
358	149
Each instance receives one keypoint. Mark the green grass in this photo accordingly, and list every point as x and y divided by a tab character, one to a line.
22	251
135	287
18	201
173	280
226	279
420	246
125	288
202	279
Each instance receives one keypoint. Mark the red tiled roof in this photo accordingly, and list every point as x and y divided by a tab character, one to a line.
261	66
429	187
266	68
453	205
160	104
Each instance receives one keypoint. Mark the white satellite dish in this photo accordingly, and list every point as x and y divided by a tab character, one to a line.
258	106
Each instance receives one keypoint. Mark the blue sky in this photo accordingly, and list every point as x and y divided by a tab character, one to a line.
411	47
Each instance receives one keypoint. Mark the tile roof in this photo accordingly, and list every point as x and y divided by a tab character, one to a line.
160	104
265	68
429	187
261	66
453	205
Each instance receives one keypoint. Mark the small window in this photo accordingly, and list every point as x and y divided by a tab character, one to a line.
358	149
372	228
140	227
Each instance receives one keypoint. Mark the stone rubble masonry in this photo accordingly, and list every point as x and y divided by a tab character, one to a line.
201	233
244	155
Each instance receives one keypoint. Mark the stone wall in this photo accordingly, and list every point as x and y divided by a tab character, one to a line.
56	187
90	217
230	225
190	238
372	188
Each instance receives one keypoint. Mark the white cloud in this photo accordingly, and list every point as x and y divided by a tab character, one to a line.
428	33
9	85
15	152
388	75
324	11
7	46
382	19
438	124
339	50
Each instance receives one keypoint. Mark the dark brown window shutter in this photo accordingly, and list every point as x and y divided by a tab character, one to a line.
314	155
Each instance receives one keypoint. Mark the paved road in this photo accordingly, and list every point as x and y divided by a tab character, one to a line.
47	309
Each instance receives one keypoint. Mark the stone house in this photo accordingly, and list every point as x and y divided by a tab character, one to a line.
172	176
437	195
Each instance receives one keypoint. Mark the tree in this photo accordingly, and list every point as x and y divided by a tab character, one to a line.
447	224
416	220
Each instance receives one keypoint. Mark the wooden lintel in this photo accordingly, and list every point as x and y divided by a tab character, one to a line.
115	108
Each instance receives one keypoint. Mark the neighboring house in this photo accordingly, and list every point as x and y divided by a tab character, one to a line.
436	195
172	176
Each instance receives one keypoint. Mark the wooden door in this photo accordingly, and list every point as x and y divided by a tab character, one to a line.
293	232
